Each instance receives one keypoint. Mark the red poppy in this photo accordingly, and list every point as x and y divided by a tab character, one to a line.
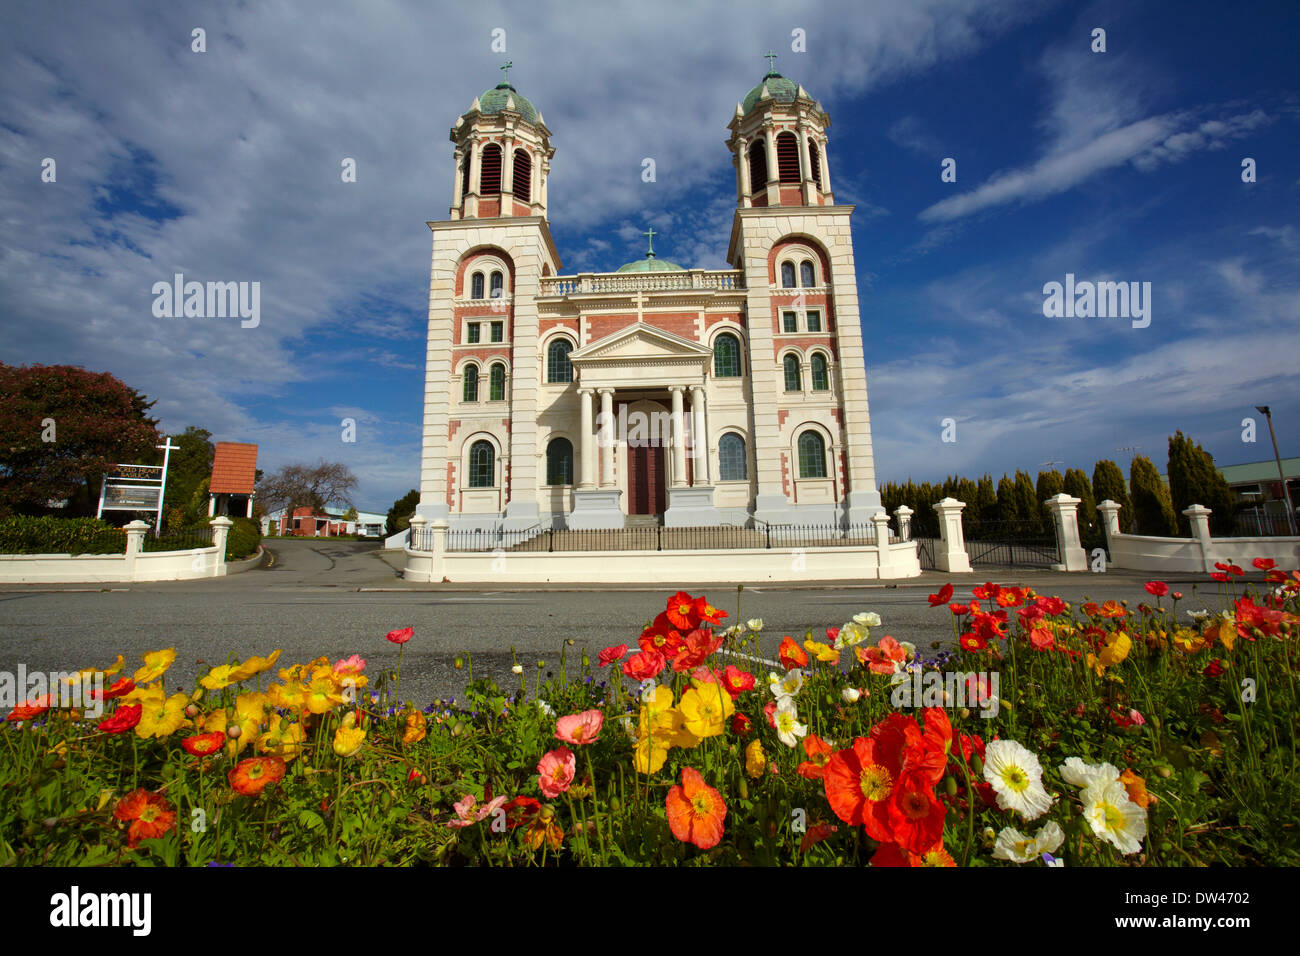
769	711
662	638
121	686
1052	605
707	613
832	634
959	610
682	612
201	745
970	641
819	754
1213	669
150	814
740	724
401	636
696	811
888	854
1264	564
915	814
1275	576
124	718
612	655
250	777
1041	638
30	709
696	649
737	681
1218	576
1157	588
816	833
859	781
1091	609
791	654
521	810
987	592
1010	597
644	666
945	593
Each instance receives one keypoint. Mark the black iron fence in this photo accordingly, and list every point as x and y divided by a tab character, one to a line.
179	540
1011	543
722	537
1255	525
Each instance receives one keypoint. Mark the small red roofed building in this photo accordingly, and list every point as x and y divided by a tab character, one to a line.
234	469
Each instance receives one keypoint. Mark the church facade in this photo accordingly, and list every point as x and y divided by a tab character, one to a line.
655	393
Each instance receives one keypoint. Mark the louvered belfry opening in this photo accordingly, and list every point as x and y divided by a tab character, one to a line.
464	173
523	176
787	157
758	166
490	174
815	157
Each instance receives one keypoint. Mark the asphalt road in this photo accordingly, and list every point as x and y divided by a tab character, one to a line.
337	598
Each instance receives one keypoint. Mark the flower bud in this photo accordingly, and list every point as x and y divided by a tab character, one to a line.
192	710
517	669
233	731
458	663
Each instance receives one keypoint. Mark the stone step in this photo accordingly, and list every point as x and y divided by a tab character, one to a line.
642	521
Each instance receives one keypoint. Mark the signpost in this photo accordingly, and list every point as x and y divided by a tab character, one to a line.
137	487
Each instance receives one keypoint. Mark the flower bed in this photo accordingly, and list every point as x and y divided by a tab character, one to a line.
1044	735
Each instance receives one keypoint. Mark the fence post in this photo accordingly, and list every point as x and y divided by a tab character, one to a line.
1065	516
952	555
438	566
904	515
135	532
883	555
416	537
220	534
1199	518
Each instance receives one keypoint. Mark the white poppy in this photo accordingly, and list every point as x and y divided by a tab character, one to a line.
1017	778
1114	817
1079	774
788	728
1015	846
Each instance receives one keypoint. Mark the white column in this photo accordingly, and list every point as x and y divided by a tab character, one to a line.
805	176
1198	516
607	438
461	157
904	515
1065	517
826	171
773	168
742	156
700	438
952	555
587	449
679	444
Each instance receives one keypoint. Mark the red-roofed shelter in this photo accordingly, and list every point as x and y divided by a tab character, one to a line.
234	469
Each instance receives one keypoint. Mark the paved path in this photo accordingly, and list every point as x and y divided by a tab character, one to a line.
338	598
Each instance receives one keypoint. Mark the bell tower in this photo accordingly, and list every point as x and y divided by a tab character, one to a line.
503	156
778	146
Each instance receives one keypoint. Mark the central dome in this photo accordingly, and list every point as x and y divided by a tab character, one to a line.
781	89
651	264
494	101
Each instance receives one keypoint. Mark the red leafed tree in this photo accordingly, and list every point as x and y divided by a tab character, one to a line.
61	428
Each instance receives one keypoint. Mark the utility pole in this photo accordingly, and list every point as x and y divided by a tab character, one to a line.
1286	491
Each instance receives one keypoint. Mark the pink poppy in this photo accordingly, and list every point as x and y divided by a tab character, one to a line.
611	655
556	771
885	657
583	728
350	665
468	814
401	636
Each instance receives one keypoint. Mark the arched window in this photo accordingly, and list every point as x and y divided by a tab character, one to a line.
476	286
471	383
821	381
523	176
490	171
792	380
497	285
815	157
807	278
559	462
758	166
787	157
812	455
497	383
482	465
731	457
558	366
726	356
787	275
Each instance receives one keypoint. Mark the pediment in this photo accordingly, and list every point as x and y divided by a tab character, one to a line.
640	343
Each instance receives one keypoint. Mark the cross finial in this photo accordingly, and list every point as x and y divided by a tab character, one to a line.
770	57
650	235
505	68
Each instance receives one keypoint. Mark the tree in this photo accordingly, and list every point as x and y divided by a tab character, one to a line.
1027	503
187	468
1076	486
1108	485
985	506
350	515
1008	503
1050	484
1193	480
399	515
1152	510
312	486
61	428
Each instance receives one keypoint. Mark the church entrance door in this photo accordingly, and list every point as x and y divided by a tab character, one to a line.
645	478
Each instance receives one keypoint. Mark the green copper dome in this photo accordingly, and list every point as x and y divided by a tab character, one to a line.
651	264
494	101
782	90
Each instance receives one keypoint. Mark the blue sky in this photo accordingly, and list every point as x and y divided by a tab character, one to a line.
224	166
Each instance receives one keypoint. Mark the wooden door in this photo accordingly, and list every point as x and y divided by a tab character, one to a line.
645	479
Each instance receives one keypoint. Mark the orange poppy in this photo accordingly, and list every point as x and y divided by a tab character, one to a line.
201	745
791	654
250	777
915	814
819	754
30	709
707	613
860	780
696	811
683	614
150	815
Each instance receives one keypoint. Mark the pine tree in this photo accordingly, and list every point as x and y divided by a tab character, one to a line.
1050	484
986	500
1008	504
1108	485
1153	512
1031	509
1193	480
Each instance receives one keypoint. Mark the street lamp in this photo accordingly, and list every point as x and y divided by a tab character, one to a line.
1286	491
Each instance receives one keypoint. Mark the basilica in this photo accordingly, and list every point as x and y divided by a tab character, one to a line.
657	393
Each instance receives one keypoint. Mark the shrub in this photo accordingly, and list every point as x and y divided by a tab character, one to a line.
49	534
1108	485
244	538
1152	510
1193	480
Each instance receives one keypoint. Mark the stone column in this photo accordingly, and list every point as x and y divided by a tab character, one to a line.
883	555
1199	518
700	438
826	173
1110	517
587	448
951	556
456	195
679	443
742	157
904	515
607	438
1064	511
220	535
806	182
773	168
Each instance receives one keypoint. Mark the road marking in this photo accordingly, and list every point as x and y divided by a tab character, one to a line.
749	657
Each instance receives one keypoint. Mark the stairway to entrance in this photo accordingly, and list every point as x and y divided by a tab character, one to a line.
642	521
